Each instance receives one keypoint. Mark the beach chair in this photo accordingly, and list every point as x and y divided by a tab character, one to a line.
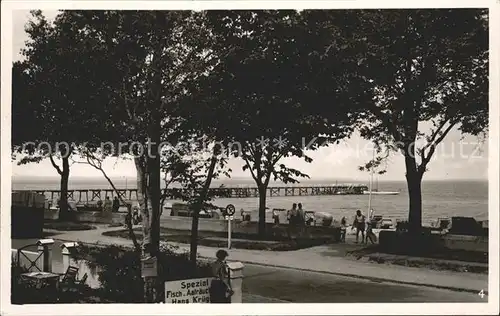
68	287
82	280
81	284
69	278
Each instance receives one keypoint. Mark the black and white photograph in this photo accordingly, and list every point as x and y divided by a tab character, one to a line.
162	154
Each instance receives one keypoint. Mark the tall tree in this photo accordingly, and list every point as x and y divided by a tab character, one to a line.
48	101
425	66
206	164
269	90
141	61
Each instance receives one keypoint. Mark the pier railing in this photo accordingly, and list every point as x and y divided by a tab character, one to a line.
94	195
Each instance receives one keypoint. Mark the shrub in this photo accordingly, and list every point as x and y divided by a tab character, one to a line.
119	270
67	226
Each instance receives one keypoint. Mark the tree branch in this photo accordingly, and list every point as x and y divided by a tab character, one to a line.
432	149
433	136
55	165
97	164
389	123
247	161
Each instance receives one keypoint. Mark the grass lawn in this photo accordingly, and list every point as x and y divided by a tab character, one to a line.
239	240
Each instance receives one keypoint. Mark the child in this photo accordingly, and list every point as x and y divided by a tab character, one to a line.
343	229
370	235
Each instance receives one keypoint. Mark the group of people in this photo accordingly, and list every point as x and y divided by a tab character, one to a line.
110	206
296	216
361	225
220	287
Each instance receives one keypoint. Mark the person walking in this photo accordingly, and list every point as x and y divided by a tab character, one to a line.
359	224
220	288
292	216
370	234
116	204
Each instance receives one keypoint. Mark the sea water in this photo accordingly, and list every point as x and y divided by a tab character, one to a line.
439	198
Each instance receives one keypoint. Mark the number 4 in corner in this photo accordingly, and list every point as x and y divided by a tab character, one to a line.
481	294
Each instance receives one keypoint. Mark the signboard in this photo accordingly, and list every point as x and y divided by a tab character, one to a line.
230	209
149	267
188	291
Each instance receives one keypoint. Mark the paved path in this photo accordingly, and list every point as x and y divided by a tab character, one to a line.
295	286
316	259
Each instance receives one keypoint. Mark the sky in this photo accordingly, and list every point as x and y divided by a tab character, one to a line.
455	158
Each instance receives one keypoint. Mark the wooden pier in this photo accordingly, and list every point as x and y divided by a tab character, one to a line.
94	195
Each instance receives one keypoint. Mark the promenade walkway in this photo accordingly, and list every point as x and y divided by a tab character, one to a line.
316	259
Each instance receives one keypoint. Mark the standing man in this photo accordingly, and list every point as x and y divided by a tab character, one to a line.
116	204
301	219
292	216
359	223
302	216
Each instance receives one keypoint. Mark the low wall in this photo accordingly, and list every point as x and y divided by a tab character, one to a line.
237	226
184	223
391	240
462	242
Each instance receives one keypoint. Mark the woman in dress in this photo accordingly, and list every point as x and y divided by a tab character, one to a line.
220	288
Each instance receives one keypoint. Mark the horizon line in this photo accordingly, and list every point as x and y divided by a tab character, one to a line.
38	177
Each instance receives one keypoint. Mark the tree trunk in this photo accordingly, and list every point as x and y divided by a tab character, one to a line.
145	207
154	186
262	210
414	182
197	208
193	247
130	228
63	199
155	194
142	199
